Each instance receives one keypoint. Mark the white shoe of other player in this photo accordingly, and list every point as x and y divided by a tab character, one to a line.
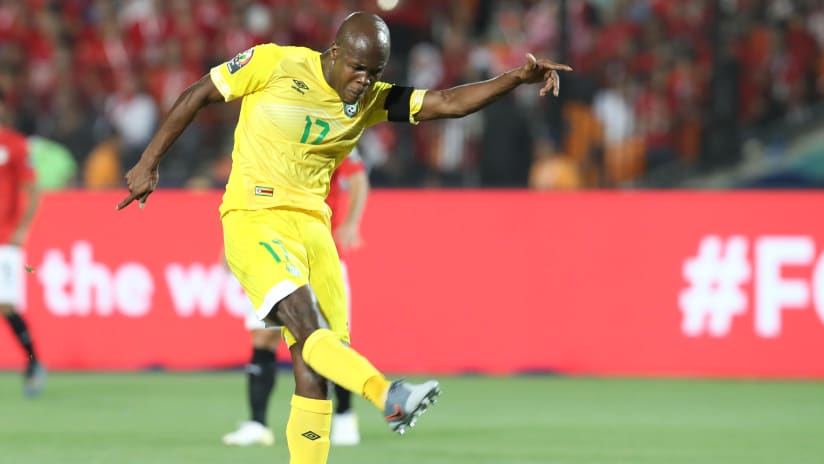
345	429
250	433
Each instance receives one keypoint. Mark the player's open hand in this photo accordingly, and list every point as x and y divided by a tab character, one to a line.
546	71
142	181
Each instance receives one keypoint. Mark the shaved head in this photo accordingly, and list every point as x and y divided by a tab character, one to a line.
364	32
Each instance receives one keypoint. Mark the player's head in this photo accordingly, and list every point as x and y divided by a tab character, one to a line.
359	55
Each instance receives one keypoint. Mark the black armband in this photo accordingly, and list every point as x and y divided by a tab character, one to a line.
397	103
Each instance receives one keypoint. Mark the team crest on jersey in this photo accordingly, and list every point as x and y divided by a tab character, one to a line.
240	60
350	110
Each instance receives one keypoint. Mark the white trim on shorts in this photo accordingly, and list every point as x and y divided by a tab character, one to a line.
11	275
273	296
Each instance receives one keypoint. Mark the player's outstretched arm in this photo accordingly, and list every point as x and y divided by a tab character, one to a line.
142	178
466	99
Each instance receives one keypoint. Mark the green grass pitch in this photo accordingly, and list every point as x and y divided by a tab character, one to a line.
174	418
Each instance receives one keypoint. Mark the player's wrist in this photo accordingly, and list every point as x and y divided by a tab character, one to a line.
150	161
516	76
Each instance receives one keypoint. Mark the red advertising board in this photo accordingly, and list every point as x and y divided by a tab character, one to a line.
654	283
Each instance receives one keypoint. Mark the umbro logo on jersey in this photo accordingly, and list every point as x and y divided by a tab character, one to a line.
300	86
261	191
311	435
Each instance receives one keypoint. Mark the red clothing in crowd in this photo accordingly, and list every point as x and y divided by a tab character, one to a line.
338	198
15	171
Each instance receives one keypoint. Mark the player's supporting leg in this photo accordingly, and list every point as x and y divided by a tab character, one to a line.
260	381
35	374
310	418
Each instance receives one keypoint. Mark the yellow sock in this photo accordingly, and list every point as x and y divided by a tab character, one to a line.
375	391
307	431
324	352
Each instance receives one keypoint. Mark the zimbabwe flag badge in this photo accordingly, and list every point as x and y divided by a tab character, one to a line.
261	191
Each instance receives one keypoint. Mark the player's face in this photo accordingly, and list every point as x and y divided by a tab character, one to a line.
356	70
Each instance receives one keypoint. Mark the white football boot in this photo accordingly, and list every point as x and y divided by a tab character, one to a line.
250	433
345	429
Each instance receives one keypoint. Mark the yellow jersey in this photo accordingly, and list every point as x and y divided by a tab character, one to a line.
293	129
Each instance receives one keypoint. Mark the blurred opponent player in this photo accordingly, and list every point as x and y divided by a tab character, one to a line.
303	111
18	203
348	190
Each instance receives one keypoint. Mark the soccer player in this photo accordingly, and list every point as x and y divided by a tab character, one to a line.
18	203
302	112
348	190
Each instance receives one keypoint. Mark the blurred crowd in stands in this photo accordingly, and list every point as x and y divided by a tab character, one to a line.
653	79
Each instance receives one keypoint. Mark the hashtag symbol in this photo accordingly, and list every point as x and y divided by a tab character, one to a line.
714	296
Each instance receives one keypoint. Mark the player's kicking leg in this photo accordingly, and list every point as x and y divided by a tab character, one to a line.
401	402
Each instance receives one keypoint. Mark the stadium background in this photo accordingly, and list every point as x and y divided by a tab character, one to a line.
658	220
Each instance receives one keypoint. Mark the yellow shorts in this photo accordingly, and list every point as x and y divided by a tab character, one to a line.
273	252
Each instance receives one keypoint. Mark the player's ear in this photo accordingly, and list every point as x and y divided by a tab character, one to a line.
334	51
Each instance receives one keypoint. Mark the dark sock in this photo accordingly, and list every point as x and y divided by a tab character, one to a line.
261	381
344	400
18	325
